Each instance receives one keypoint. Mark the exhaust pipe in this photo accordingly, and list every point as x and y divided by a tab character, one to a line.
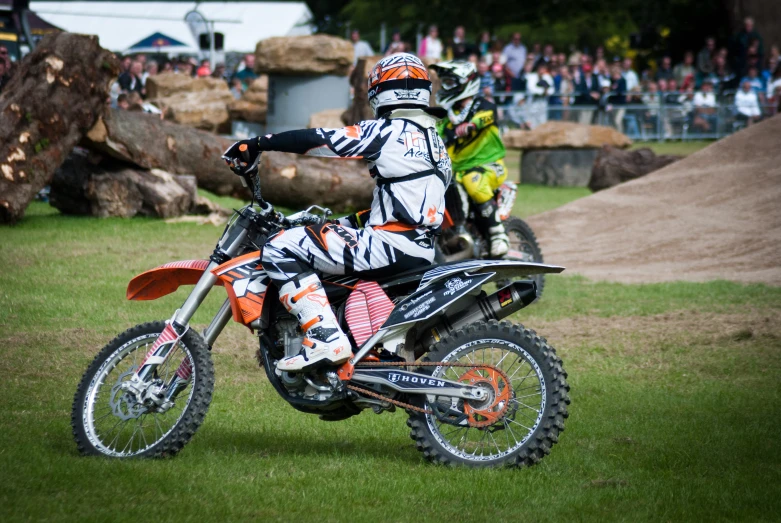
496	306
467	245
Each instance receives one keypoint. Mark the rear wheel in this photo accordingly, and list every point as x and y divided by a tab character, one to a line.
517	431
524	242
108	420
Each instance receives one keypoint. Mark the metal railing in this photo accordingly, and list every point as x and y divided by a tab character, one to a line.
661	116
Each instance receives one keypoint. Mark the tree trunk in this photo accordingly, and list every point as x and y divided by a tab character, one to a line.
151	143
287	179
56	95
85	186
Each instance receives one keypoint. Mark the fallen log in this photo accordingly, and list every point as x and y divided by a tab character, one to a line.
287	179
56	95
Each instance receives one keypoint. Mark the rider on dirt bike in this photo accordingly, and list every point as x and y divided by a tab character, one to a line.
474	145
411	167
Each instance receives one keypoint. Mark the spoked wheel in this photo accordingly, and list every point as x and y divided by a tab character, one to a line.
526	405
524	242
110	419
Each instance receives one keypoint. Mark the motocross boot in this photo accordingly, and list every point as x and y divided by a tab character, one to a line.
490	226
324	341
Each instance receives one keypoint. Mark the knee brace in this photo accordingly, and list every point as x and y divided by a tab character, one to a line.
477	186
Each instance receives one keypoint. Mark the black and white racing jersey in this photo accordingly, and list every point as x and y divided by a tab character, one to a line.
405	155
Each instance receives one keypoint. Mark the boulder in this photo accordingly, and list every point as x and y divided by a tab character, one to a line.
304	55
554	135
167	84
207	110
613	166
557	167
328	119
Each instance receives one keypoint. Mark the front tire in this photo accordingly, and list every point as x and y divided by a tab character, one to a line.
122	429
535	416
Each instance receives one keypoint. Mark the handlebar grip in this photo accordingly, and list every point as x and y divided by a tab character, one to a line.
244	150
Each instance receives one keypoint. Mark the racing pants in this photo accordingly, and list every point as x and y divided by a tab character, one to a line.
337	249
481	183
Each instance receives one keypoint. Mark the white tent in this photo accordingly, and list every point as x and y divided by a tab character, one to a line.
121	24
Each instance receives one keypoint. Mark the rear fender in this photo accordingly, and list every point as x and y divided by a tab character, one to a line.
246	283
165	279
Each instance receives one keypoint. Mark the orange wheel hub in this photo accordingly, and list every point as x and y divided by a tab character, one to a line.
491	410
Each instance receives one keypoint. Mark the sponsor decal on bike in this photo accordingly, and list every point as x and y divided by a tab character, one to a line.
505	297
395	377
420	309
415	301
456	284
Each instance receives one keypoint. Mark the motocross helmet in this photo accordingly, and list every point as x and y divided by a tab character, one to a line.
458	80
399	80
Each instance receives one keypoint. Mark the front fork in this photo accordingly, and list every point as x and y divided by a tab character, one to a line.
178	325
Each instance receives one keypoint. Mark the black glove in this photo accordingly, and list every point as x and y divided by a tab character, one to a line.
243	156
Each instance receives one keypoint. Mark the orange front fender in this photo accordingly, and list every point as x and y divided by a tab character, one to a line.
165	279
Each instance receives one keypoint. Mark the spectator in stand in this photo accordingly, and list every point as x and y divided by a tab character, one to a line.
672	92
705	57
515	54
633	114
539	85
742	43
767	73
168	67
575	56
361	48
486	79
431	45
562	86
665	71
704	113
184	68
219	72
461	49
685	69
502	84
603	73
545	58
753	56
151	70
630	76
774	85
747	104
599	53
757	85
722	76
122	102
124	64
130	80
617	86
204	70
396	45
484	44
247	73
3	75
589	93
237	89
496	57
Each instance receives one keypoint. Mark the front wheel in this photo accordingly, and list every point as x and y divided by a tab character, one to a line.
527	405
109	420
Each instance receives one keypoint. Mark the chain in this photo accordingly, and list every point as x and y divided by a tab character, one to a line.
424	364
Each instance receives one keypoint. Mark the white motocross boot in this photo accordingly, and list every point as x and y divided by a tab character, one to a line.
500	243
324	341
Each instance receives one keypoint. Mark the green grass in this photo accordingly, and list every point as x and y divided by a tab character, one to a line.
682	148
675	414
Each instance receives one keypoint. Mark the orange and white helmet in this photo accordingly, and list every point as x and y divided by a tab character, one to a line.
400	79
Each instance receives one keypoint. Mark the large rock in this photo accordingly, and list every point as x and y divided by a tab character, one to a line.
253	105
167	84
328	119
207	110
613	166
553	135
557	167
304	55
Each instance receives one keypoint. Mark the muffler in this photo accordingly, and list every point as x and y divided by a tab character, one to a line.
466	245
496	306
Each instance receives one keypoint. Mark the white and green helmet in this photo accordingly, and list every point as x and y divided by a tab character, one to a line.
458	80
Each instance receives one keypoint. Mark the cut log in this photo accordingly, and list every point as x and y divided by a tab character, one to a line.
287	179
56	95
82	186
150	143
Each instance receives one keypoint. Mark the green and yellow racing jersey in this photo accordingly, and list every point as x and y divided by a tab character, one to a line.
482	146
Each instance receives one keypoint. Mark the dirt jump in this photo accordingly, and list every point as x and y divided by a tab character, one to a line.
715	215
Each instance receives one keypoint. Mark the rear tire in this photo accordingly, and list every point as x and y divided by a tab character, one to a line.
523	450
522	238
137	340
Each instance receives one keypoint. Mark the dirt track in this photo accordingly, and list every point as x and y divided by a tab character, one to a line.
713	215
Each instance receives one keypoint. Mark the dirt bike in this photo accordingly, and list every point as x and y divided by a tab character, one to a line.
460	239
478	391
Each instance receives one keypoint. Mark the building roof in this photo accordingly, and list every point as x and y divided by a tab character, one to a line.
119	25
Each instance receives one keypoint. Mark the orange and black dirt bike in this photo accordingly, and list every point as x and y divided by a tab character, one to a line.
478	390
460	239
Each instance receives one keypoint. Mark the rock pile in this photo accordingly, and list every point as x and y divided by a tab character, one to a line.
304	55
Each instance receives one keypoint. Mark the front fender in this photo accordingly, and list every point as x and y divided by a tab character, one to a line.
165	279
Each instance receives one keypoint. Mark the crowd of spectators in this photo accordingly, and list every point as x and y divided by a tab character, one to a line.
129	91
537	83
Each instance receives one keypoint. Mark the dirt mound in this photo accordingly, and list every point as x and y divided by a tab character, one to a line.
713	215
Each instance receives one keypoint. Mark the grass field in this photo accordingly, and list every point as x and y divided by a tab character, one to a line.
675	414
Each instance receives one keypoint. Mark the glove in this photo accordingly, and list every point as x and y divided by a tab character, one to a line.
243	156
465	129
